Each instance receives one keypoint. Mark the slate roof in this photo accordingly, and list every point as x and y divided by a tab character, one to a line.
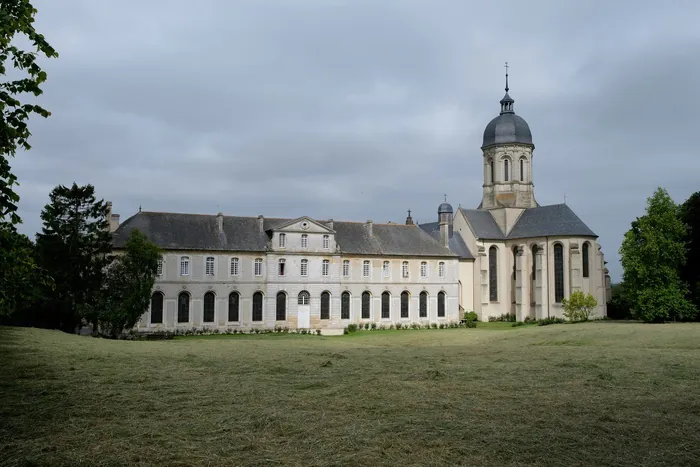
177	231
455	243
483	224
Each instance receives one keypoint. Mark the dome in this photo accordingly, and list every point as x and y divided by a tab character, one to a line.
445	208
507	127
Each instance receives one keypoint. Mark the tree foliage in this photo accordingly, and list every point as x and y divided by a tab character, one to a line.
652	253
74	247
579	306
690	271
17	19
129	284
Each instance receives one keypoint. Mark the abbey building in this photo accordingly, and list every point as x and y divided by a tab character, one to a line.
508	256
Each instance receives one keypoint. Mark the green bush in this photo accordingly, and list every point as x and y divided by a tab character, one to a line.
470	323
471	316
550	320
579	306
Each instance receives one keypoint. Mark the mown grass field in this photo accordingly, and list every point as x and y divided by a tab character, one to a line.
602	393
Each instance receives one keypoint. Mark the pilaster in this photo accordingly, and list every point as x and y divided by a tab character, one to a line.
521	284
575	267
540	281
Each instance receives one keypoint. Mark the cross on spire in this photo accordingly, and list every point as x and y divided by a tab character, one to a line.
409	213
506	66
445	195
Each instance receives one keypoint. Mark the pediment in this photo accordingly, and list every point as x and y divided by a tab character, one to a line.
303	225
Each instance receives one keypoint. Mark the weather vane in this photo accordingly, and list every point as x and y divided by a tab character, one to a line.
445	195
506	65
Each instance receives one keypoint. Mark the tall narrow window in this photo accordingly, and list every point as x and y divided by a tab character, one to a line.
185	266
325	268
346	268
586	270
424	269
345	305
257	306
283	240
234	266
423	305
209	305
533	275
281	306
234	301
280	266
209	266
304	268
365	268
506	170
159	270
404	304
325	305
385	269
183	307
558	273
441	305
304	241
258	267
522	170
493	171
365	304
493	274
514	275
326	242
441	269
304	298
386	305
157	308
404	269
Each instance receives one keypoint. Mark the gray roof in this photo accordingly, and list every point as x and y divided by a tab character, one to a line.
177	231
552	220
445	208
455	243
507	127
483	224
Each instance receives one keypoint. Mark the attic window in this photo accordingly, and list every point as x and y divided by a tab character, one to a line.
423	269
346	269
185	266
283	240
209	266
365	268
441	269
258	267
326	242
385	269
404	269
234	267
304	241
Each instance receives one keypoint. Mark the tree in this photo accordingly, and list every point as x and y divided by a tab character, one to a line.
17	18
74	247
129	285
690	272
579	306
652	253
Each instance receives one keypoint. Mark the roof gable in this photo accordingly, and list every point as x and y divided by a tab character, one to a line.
301	224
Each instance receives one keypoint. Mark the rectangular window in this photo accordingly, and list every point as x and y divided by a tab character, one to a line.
234	266
304	241
441	269
404	269
423	269
209	266
258	267
365	269
326	242
283	240
159	271
304	270
385	269
281	265
346	268
326	266
185	266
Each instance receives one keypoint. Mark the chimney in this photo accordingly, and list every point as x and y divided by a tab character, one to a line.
261	223
220	222
113	219
409	219
329	224
368	225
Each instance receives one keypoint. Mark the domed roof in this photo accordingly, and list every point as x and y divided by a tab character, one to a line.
445	208
507	127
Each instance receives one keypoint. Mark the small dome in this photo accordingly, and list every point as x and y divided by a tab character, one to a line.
445	208
507	127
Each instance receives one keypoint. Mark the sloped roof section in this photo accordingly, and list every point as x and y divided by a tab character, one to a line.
456	243
552	220
176	231
483	224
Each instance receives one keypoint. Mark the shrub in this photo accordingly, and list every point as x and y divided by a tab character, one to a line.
470	323
374	326
434	325
550	320
579	306
471	316
351	327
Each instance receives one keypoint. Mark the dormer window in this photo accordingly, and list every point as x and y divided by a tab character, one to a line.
283	240
304	241
326	242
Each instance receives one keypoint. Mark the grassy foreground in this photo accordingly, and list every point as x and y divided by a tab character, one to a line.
587	394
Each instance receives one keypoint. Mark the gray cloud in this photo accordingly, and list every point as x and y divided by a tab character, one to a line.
362	109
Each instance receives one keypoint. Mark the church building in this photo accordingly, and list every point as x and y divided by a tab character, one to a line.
508	256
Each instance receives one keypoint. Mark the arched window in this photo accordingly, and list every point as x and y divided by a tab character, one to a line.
441	305
325	305
506	171
233	306
558	273
423	305
183	307
586	270
493	274
404	304
257	306
281	306
345	305
522	170
157	308
386	305
304	298
209	303
365	304
209	266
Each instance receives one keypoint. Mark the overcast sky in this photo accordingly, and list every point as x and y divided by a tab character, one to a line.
358	110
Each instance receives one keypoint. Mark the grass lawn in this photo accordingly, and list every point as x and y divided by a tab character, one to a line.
588	394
